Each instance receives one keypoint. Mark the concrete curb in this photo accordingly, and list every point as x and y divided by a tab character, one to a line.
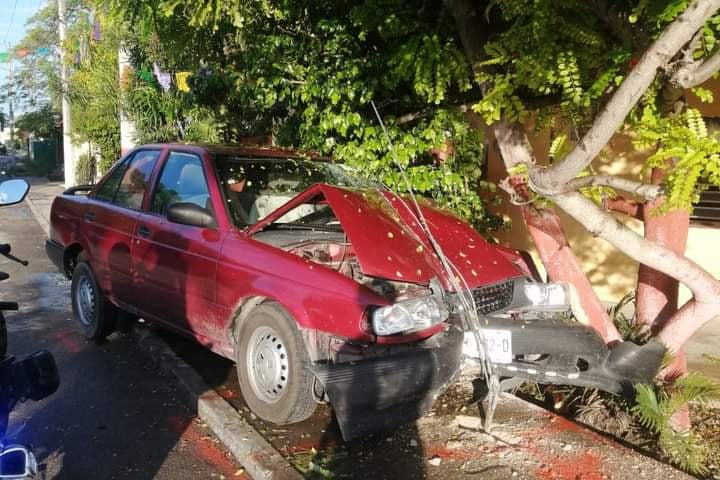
260	459
38	214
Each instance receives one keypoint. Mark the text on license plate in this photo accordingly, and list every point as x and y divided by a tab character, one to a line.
499	343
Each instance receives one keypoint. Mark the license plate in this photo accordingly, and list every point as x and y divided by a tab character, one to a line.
499	343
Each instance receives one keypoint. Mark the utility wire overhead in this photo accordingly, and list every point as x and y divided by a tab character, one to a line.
12	19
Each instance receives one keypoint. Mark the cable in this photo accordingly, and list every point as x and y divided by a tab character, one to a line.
12	19
455	277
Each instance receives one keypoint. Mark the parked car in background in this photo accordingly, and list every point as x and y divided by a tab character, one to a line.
318	284
7	162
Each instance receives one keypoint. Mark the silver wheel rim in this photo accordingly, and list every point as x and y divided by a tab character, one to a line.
85	300
267	364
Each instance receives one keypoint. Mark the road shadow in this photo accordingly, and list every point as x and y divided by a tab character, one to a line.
113	416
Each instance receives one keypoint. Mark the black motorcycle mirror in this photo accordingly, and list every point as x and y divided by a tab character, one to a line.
17	462
13	191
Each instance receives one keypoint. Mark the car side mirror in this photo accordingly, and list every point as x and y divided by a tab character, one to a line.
186	213
13	191
17	462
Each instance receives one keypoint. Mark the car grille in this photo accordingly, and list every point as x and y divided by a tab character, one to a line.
494	297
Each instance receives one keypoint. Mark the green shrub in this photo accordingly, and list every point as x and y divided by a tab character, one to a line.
85	169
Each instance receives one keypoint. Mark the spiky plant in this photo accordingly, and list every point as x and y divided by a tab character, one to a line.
629	328
655	406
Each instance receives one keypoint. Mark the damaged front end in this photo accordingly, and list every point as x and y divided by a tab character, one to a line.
417	341
531	335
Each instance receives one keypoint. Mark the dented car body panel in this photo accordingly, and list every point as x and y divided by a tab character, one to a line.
389	243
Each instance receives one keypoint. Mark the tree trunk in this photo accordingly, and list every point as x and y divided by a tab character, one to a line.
562	266
657	294
549	238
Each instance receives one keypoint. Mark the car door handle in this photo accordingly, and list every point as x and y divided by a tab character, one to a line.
143	231
89	216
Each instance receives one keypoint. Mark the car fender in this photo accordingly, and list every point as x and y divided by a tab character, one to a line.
317	297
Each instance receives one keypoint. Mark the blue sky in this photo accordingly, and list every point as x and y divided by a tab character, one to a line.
13	16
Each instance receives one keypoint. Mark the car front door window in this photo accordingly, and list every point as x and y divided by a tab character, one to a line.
182	180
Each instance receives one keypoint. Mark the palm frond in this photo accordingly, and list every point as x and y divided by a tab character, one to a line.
648	408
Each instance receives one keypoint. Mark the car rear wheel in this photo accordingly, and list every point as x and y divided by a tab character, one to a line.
93	312
271	364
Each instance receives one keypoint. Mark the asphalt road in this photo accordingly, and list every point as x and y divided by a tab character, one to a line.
114	415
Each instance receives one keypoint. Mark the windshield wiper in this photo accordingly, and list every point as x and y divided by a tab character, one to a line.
302	226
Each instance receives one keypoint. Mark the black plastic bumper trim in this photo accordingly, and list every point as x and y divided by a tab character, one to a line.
377	394
56	253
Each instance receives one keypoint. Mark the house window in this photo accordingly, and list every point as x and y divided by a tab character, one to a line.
707	210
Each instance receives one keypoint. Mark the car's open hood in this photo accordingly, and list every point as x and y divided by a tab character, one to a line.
389	243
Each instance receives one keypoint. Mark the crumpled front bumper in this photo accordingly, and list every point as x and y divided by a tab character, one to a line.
569	353
377	394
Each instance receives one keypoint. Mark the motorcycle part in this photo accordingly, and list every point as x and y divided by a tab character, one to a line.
35	377
17	462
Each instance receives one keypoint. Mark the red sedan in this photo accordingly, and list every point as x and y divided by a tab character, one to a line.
318	284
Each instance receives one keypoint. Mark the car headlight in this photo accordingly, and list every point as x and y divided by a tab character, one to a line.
547	294
409	315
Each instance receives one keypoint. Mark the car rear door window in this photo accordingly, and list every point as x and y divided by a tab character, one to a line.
107	190
131	191
182	180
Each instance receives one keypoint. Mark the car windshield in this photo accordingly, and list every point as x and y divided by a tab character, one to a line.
254	188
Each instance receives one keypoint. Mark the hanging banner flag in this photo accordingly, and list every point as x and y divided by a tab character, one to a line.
96	31
42	51
145	75
4	57
163	78
181	80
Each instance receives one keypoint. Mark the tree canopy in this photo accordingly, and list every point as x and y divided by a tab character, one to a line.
305	73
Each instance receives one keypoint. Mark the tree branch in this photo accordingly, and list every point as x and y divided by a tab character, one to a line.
471	26
694	73
513	144
600	223
673	38
649	192
624	205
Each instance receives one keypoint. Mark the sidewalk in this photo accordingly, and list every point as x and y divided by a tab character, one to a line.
40	198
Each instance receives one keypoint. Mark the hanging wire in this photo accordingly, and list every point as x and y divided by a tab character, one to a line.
468	308
10	25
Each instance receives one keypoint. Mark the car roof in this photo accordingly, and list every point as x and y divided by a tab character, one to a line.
255	151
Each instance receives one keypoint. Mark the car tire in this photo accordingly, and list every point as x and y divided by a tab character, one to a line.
271	361
95	314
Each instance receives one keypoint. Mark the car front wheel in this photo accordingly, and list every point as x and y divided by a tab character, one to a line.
271	364
93	312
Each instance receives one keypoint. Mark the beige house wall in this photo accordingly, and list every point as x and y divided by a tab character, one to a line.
611	272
